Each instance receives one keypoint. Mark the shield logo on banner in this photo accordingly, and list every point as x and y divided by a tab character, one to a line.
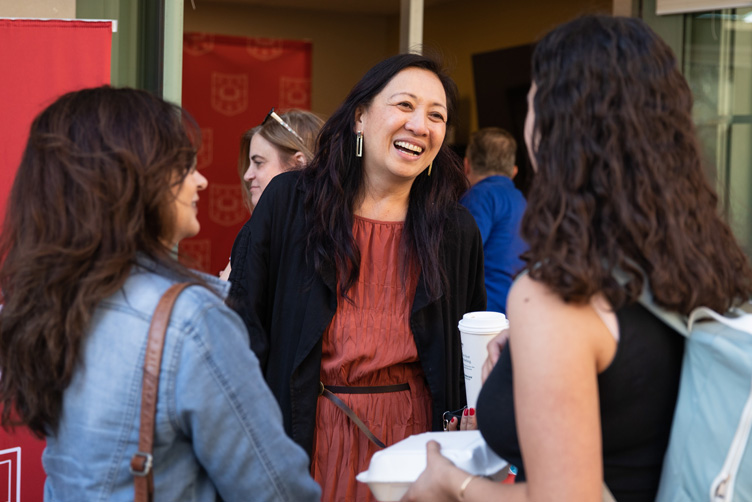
229	93
10	475
196	253
198	44
226	204
264	49
294	92
205	155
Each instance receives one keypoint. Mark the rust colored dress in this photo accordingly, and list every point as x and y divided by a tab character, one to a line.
369	343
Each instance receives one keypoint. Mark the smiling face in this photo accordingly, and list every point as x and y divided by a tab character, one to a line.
403	127
185	205
266	163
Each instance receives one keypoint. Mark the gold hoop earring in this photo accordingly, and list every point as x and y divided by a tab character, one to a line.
430	166
359	144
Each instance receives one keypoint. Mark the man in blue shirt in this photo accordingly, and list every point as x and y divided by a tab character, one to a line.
497	206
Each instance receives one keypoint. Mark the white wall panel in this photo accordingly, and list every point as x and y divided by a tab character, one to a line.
682	6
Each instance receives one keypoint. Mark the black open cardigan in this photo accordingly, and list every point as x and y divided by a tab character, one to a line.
287	306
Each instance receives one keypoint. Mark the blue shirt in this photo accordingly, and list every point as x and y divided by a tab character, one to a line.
218	429
498	206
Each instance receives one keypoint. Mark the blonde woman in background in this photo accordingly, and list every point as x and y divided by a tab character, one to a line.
281	143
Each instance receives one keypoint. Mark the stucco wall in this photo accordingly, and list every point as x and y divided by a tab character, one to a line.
61	9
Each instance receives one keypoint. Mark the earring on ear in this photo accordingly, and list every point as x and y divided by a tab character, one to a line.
430	166
359	144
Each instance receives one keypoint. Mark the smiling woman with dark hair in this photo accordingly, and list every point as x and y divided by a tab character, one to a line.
358	270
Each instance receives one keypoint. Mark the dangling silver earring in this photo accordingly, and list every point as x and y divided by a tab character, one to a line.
359	144
430	166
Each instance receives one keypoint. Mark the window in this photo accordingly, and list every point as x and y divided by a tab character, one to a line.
717	63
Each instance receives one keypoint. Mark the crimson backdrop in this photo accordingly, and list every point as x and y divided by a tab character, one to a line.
229	85
41	60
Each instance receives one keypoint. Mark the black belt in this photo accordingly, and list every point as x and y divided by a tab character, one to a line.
328	392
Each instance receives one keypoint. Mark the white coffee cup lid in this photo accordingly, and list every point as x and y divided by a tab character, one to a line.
484	321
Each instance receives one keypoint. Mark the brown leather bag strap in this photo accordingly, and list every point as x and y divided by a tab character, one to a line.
141	462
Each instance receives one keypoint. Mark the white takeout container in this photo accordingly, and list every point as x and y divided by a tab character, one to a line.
393	469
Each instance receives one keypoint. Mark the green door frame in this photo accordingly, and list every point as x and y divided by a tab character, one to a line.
147	49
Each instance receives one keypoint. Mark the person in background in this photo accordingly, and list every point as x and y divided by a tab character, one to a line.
584	392
281	143
106	189
352	275
497	207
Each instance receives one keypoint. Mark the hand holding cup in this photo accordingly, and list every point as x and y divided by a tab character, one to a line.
466	421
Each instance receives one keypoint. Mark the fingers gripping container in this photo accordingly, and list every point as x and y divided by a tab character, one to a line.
393	469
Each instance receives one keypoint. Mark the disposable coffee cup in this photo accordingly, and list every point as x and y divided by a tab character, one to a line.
476	330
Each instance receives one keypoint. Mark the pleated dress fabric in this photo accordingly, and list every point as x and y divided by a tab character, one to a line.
369	343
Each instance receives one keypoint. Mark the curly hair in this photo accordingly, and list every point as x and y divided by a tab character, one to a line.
93	191
620	182
306	124
335	177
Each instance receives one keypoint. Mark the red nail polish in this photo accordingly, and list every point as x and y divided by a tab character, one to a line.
472	411
465	412
454	419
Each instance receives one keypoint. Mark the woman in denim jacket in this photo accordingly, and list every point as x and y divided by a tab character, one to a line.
106	189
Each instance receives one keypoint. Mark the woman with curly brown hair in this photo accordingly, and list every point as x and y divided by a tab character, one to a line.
586	388
106	189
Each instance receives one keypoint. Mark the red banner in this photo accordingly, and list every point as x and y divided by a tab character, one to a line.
42	60
229	85
21	473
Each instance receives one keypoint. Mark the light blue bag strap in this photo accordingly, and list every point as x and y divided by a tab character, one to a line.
676	321
741	321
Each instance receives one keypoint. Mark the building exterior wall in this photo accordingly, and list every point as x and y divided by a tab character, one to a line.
60	9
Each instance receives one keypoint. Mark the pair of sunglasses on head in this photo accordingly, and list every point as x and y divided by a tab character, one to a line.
273	115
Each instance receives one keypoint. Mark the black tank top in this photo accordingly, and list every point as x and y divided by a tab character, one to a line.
637	394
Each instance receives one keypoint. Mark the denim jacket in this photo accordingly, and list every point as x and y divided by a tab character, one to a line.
218	430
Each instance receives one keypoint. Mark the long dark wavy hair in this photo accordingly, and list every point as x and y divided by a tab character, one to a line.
93	191
620	182
334	178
